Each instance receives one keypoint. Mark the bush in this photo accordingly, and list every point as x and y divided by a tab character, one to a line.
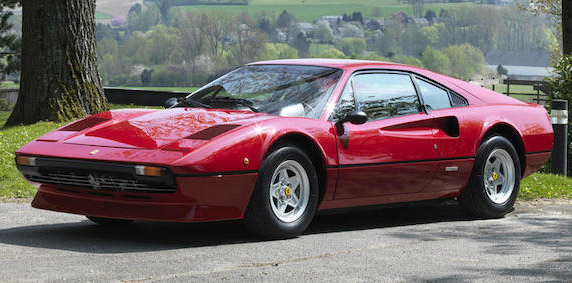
4	105
168	76
561	85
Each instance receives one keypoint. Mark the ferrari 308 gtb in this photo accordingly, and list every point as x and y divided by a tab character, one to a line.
274	142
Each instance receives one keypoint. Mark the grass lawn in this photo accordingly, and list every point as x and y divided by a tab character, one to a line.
540	185
501	88
9	84
12	184
309	10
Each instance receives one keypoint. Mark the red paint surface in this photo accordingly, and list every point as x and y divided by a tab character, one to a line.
408	153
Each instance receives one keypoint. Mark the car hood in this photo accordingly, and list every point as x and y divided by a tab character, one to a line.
156	129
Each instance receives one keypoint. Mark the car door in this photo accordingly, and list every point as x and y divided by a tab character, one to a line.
392	153
452	135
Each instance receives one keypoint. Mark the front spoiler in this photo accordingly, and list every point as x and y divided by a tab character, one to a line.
198	199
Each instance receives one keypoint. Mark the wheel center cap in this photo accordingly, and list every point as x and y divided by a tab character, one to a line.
495	176
287	191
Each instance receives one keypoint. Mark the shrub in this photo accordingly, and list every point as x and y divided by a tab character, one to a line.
561	84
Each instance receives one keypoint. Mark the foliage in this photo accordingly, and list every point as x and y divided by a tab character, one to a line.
561	85
275	51
408	60
502	70
10	45
322	33
332	52
351	45
466	60
436	60
4	105
302	45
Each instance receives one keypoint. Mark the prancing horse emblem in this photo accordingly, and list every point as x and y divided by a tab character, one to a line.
94	182
93	152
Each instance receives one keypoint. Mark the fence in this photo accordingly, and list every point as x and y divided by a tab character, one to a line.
542	91
139	97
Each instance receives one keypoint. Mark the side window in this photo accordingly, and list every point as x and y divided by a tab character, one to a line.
458	100
433	96
345	105
382	96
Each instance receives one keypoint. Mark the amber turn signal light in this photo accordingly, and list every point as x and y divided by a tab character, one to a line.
25	160
148	171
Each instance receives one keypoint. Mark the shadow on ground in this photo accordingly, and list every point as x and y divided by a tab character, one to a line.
84	236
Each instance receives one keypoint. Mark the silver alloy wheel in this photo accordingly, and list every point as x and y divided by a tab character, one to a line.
499	176
289	191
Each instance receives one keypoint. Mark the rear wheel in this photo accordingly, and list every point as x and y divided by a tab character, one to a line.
495	180
285	197
108	221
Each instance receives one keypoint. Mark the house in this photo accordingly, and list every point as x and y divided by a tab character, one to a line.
330	19
305	27
420	21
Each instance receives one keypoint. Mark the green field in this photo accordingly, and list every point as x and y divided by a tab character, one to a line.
160	88
309	10
102	16
501	88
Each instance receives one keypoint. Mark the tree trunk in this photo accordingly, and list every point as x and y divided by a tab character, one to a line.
59	78
567	26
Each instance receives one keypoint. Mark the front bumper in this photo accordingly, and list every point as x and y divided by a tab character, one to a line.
197	199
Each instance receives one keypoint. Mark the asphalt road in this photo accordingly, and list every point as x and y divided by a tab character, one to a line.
426	242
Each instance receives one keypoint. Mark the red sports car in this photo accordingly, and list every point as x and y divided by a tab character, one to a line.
273	142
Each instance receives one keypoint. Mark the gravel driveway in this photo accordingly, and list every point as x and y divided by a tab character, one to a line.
415	243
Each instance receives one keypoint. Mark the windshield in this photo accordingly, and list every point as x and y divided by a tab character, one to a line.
285	90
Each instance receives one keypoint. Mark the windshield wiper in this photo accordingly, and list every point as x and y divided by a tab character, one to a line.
233	101
192	102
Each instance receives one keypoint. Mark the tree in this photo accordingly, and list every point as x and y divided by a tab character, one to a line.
10	46
332	52
322	33
430	15
436	61
351	46
502	70
302	44
59	80
284	20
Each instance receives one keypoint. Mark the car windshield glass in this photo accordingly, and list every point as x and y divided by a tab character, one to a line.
285	90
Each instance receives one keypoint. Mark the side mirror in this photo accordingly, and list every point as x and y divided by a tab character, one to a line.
355	117
171	102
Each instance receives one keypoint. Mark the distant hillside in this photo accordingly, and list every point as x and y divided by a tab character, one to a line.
309	10
115	7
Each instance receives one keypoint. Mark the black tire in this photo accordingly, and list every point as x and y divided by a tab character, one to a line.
474	198
108	221
260	219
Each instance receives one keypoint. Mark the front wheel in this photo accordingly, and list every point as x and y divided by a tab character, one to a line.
285	197
495	180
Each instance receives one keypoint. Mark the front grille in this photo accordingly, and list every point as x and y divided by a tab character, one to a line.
98	182
97	176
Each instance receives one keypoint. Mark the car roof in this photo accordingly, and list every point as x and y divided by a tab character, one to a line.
333	63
